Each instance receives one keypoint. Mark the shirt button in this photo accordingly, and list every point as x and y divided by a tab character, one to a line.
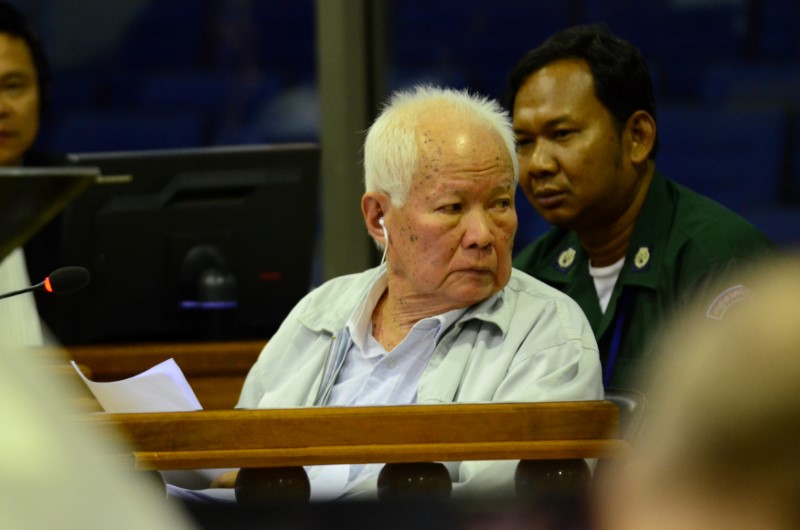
391	363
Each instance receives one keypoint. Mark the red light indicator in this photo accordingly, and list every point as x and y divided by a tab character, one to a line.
47	286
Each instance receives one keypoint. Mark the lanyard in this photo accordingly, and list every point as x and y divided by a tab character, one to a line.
616	338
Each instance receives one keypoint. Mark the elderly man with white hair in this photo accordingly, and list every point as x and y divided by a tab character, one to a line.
444	318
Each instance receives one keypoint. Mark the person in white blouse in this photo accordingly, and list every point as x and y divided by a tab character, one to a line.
23	82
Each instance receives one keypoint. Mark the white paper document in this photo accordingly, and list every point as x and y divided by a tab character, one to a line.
162	388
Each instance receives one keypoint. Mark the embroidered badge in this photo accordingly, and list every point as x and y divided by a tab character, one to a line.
725	300
566	259
641	261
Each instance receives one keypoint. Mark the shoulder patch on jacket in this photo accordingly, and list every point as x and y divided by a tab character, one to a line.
725	300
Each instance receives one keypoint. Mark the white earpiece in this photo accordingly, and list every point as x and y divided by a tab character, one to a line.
385	232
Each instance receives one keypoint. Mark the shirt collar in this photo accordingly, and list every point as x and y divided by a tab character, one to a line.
332	319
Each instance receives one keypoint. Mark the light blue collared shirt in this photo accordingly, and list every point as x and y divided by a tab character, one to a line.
372	376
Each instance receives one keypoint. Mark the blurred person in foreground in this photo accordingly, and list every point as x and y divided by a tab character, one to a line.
445	319
59	471
720	448
628	244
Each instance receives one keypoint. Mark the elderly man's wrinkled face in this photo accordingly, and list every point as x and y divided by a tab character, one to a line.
19	99
451	241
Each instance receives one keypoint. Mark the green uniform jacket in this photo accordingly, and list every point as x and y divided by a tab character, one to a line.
681	240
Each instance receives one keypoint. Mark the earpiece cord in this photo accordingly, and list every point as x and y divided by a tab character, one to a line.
386	237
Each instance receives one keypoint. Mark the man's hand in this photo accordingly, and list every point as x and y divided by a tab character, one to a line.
226	480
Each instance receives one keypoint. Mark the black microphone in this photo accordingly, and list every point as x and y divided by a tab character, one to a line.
61	281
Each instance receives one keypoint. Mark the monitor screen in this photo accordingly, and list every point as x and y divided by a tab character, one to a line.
189	244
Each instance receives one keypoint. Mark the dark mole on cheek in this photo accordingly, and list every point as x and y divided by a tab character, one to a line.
412	238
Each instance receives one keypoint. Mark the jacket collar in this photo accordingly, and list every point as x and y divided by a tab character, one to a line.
645	256
341	303
334	316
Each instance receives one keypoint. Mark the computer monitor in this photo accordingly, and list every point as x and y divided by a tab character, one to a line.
189	244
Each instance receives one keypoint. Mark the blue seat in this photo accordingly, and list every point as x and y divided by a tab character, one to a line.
781	222
792	187
425	33
292	116
779	31
118	130
753	84
680	40
71	89
508	31
206	90
447	76
184	89
483	42
167	35
285	37
735	156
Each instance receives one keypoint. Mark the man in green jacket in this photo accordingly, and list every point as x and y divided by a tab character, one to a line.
627	244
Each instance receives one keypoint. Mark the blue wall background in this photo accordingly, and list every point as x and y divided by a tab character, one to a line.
142	74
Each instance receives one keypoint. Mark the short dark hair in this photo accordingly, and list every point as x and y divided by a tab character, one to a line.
13	22
621	78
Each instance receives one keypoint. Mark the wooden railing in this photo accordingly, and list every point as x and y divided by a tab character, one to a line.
289	438
271	445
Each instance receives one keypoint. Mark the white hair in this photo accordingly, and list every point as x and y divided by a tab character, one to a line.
390	149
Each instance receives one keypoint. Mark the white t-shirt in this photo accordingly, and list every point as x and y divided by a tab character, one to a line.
604	280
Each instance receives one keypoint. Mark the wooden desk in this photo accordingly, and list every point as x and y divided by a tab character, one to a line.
215	370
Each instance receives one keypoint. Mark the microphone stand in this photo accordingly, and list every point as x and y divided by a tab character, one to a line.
26	290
